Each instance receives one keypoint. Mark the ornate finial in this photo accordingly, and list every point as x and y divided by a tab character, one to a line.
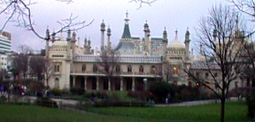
127	17
165	28
176	32
127	14
187	28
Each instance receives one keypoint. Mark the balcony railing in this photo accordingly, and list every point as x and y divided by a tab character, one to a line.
141	74
122	59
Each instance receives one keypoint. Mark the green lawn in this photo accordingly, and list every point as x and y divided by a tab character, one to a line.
236	112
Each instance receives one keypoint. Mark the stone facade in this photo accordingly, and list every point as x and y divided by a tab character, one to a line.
143	61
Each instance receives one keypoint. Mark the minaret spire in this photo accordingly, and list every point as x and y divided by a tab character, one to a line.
126	32
102	35
176	34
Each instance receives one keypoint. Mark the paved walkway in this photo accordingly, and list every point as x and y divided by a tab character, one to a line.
189	103
193	103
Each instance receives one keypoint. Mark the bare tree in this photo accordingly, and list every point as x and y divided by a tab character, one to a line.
41	67
25	49
36	64
142	2
109	65
20	65
220	37
167	71
247	7
48	71
19	12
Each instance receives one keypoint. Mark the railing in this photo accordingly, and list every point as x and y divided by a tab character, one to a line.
122	59
119	74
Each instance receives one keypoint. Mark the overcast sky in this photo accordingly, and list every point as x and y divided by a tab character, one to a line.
172	14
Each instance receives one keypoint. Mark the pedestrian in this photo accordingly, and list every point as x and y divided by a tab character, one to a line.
169	97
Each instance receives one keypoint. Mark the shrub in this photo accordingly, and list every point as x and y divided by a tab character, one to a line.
251	107
77	91
57	92
3	99
140	95
161	89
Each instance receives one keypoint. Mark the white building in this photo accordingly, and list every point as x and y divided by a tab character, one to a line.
5	41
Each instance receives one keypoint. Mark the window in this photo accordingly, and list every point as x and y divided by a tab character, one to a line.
197	74
141	69
83	68
197	84
207	84
118	68
190	84
175	70
129	68
56	68
206	75
94	68
215	75
153	69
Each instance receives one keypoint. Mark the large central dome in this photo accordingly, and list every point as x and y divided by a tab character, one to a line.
176	43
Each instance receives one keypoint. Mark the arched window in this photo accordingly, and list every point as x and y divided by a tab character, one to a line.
56	83
83	68
153	69
118	68
190	84
175	70
129	68
56	68
141	69
95	68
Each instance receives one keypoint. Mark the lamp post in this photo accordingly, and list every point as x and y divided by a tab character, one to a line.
145	83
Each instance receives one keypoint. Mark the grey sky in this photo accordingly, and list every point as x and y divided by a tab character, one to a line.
172	14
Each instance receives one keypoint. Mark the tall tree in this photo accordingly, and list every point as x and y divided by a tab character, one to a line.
37	64
220	37
20	64
109	65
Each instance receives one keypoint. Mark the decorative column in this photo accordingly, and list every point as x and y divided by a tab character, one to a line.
133	84
109	85
74	81
97	83
121	84
85	82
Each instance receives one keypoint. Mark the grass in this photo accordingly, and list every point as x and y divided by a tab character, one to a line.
235	112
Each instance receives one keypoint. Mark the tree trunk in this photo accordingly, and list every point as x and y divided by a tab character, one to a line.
222	109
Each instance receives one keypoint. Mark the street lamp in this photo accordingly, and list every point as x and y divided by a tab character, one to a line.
145	83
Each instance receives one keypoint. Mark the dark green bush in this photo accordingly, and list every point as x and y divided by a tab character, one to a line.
57	92
3	99
77	91
161	89
140	95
